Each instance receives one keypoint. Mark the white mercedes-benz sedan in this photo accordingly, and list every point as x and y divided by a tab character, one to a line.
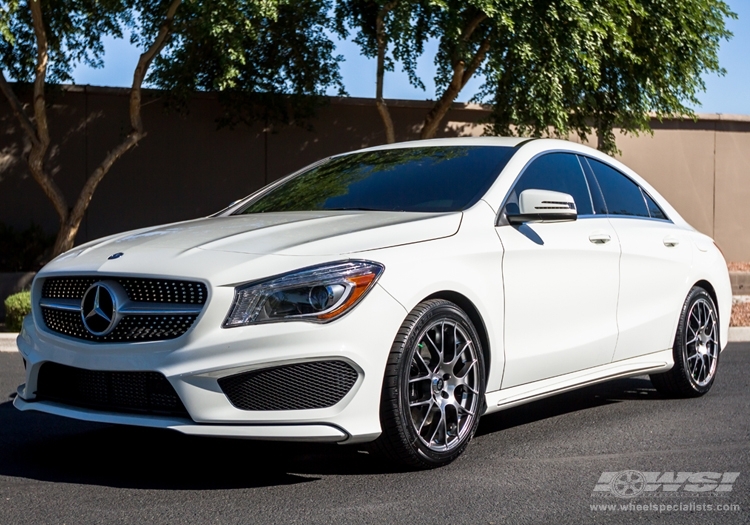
391	295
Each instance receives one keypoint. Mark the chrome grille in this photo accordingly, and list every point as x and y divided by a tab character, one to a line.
149	309
302	386
132	329
141	290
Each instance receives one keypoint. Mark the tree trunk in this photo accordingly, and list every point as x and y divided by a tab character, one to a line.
38	131
385	114
69	228
461	75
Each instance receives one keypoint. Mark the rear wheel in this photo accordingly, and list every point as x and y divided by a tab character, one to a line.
696	349
433	389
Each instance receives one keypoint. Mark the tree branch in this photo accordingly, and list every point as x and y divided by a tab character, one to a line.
385	114
87	192
476	61
472	26
18	111
144	61
461	76
135	135
40	138
40	109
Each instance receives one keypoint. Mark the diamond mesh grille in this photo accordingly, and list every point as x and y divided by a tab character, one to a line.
302	386
130	329
139	290
139	392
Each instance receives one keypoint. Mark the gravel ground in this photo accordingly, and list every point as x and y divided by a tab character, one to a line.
739	266
741	304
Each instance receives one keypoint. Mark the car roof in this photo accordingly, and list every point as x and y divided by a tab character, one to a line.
453	141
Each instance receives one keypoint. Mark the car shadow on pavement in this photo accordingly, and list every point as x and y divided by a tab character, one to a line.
630	389
49	448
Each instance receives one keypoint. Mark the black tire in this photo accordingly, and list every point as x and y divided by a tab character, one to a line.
447	398
696	349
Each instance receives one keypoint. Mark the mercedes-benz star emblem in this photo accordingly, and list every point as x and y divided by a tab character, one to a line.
99	308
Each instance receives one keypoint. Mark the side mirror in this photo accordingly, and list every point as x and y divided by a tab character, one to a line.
542	206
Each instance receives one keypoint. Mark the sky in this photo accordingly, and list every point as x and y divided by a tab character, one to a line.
729	94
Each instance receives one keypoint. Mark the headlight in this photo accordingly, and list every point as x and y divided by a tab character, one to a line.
319	294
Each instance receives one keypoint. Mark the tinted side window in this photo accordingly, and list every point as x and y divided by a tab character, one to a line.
556	172
622	195
653	208
597	198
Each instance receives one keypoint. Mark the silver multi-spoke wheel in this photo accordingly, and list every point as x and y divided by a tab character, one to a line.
702	344
696	349
433	388
443	385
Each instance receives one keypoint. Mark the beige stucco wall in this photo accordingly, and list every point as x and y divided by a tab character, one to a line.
187	168
703	169
732	195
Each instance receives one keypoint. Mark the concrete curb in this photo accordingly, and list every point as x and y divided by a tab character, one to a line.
739	334
8	342
740	282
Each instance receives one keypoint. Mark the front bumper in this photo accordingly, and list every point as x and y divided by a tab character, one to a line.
320	433
194	362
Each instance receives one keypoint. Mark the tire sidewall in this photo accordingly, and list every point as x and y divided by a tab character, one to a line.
443	310
680	348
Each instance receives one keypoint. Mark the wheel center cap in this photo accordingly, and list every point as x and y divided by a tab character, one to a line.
437	384
702	346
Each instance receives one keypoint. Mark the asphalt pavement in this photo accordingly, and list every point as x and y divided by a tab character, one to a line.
539	463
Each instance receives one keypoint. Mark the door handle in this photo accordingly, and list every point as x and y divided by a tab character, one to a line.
600	238
671	242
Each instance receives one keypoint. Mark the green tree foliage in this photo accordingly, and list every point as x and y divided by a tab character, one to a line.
403	26
554	66
268	62
653	64
74	31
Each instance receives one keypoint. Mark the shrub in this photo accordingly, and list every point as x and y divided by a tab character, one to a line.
17	306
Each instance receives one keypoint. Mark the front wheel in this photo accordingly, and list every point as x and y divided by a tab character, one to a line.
696	349
433	389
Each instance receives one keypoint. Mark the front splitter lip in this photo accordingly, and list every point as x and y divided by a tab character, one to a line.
325	433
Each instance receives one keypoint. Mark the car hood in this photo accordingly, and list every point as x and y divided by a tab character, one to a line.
292	233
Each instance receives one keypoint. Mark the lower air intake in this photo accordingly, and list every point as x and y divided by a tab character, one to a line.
137	392
302	386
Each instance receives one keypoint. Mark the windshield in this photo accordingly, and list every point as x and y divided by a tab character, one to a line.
426	179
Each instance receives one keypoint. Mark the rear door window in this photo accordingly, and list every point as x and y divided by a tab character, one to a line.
622	195
653	209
